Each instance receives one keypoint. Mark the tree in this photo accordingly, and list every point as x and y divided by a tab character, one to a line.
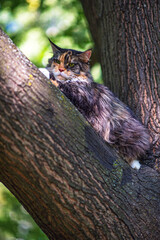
68	179
126	37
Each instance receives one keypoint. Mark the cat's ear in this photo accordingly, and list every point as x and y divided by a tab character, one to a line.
55	48
85	56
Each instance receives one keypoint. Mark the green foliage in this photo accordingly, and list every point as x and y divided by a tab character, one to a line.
29	23
15	222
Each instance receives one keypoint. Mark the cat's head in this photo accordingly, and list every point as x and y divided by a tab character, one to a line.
68	64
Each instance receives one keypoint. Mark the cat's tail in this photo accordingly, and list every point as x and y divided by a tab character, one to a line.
131	138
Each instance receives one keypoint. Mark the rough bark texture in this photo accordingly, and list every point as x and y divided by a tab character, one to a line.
126	35
68	179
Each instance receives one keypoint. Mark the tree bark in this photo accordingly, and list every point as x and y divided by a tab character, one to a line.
70	181
126	37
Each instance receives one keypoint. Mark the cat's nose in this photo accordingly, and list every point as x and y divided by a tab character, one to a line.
61	69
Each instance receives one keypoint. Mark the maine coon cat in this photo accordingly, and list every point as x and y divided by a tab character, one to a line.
113	120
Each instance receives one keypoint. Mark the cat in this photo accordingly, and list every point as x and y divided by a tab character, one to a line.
113	120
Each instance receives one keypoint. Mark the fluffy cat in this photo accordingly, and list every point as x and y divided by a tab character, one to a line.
113	120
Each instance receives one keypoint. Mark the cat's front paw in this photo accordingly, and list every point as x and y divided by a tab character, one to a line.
54	82
135	164
45	72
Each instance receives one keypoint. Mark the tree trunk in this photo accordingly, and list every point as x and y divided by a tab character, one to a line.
126	38
67	178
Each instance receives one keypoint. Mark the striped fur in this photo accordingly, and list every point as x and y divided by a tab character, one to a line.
111	118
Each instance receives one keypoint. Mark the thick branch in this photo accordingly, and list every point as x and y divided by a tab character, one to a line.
66	177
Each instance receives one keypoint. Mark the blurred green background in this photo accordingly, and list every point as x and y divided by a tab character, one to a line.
29	23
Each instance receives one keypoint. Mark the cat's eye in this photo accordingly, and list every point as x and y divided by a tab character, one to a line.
71	64
56	61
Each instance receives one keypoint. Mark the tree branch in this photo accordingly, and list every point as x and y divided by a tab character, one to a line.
67	178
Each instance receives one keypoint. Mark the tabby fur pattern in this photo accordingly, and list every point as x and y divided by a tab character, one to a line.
112	119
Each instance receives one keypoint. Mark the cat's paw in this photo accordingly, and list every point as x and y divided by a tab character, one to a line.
54	82
45	72
135	164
